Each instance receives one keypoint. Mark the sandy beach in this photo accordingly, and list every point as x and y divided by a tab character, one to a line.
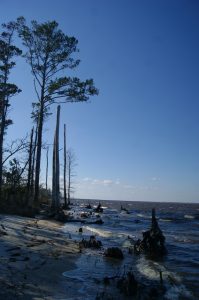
46	259
34	253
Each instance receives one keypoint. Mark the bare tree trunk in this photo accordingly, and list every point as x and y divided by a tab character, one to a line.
30	163
69	179
33	163
70	168
56	171
38	157
47	169
65	195
53	177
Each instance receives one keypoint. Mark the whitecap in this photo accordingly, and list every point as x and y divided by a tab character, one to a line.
143	216
189	217
100	232
151	270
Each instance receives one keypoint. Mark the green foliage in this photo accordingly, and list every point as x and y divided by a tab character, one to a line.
13	176
36	107
7	53
49	53
7	90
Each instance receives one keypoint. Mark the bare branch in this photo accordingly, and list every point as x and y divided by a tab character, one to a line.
15	147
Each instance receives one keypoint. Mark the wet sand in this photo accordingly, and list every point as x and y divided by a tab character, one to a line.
34	253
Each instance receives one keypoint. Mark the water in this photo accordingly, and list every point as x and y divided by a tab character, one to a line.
180	268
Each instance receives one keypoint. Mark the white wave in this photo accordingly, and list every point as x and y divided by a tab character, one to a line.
70	228
127	244
175	288
189	217
140	215
147	269
144	216
100	232
152	270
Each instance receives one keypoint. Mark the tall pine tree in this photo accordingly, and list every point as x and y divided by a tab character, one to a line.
50	54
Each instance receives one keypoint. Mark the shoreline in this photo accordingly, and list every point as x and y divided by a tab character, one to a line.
34	253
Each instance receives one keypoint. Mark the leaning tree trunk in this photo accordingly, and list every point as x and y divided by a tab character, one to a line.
55	175
65	194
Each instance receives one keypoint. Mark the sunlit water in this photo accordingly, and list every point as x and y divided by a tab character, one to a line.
180	267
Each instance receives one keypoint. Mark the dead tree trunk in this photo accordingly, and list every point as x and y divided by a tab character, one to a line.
33	163
30	164
69	178
70	171
47	168
38	152
55	175
65	194
153	240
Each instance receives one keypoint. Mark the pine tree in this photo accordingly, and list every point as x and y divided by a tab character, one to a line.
50	53
7	90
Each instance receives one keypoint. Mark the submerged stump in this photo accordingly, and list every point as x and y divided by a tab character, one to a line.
91	243
153	240
99	208
128	285
114	252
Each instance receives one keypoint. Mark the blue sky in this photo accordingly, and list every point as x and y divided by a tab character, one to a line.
139	139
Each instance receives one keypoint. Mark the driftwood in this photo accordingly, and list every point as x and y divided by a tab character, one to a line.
153	240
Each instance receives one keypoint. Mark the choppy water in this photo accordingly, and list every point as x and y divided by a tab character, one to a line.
180	267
